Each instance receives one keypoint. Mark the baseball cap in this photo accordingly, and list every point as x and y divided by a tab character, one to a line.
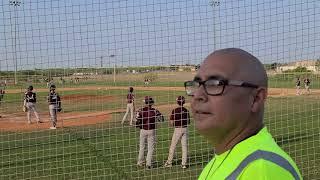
30	88
180	100
148	100
52	86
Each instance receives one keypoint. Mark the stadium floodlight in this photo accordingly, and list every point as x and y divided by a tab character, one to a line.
214	4
15	4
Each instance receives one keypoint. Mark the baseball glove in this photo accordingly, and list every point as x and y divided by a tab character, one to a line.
24	109
59	109
139	123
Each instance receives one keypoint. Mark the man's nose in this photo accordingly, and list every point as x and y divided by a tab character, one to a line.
200	94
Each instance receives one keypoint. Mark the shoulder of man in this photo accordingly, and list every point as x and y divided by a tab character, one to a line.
185	109
180	109
263	169
139	112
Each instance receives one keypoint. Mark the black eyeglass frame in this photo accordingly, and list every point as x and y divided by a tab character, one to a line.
220	82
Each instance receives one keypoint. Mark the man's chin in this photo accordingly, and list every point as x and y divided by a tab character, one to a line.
207	124
203	127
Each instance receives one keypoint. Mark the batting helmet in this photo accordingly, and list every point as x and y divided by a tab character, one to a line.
30	88
131	89
52	87
180	100
148	100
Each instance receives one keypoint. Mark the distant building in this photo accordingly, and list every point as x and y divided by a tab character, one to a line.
182	68
308	64
82	74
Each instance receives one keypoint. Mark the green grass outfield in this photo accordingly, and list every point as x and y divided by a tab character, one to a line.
109	151
166	79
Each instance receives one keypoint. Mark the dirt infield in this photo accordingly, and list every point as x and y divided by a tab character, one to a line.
18	122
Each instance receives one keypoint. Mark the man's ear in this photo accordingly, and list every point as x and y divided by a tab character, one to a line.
259	98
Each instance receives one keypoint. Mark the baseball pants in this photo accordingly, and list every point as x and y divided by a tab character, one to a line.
130	107
307	88
183	134
298	90
32	108
53	114
150	136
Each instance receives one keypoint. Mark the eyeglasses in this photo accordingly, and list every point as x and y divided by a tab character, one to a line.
214	87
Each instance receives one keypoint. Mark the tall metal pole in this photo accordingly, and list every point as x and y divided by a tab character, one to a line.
214	4
15	4
101	57
114	68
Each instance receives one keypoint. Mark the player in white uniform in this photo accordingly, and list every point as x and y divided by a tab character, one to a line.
29	102
54	105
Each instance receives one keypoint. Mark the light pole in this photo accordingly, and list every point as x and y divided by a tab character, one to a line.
114	68
15	4
214	4
101	57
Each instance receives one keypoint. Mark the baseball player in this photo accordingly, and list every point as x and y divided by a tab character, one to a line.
130	106
298	84
2	92
29	102
307	85
54	105
146	121
179	119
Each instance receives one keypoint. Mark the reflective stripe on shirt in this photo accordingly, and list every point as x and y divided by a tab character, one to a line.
268	156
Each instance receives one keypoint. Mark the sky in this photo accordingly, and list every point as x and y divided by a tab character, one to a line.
93	33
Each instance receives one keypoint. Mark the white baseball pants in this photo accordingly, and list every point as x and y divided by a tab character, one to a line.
150	136
183	134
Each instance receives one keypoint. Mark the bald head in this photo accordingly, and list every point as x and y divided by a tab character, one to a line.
243	65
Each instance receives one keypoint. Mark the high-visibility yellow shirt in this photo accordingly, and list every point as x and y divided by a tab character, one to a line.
257	157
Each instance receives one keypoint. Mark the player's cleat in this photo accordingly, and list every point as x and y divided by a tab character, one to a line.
53	127
148	167
184	167
167	165
39	122
140	165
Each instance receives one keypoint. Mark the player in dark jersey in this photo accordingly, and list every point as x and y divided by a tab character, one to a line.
146	121
307	85
54	105
298	84
29	102
130	107
179	119
2	92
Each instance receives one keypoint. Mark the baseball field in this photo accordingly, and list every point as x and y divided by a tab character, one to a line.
91	143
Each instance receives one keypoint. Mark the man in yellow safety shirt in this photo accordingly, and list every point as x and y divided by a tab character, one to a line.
228	96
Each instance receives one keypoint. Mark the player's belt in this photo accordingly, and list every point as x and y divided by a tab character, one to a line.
181	126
